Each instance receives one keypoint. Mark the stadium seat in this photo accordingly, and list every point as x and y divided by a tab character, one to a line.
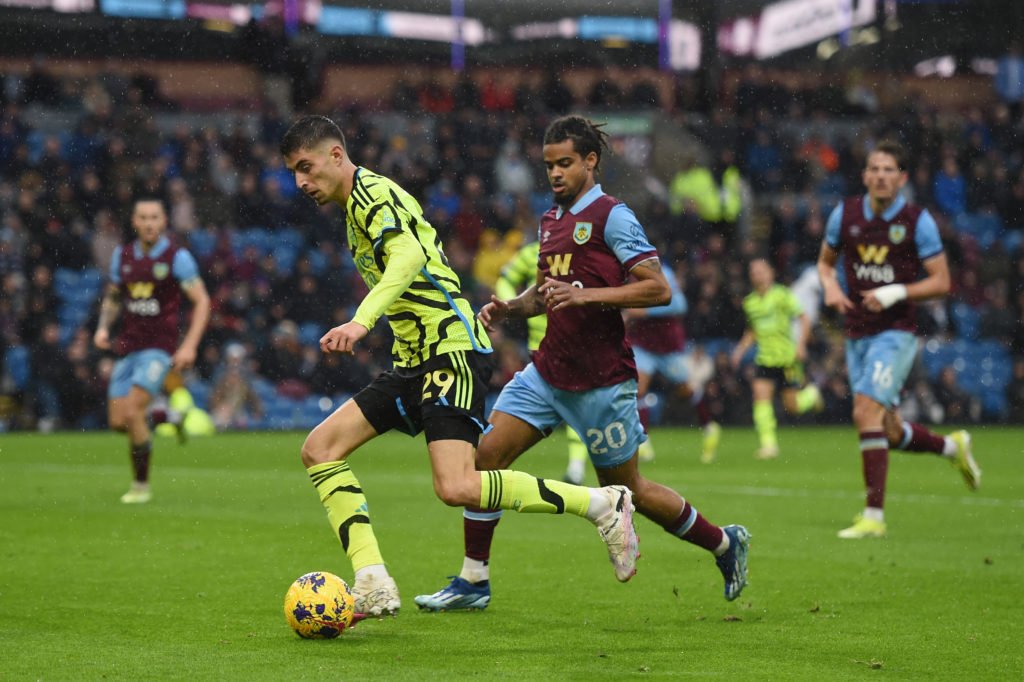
317	261
310	333
285	256
17	366
202	243
966	318
65	280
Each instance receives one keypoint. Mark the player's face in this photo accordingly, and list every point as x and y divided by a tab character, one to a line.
569	173
149	221
882	177
317	170
761	275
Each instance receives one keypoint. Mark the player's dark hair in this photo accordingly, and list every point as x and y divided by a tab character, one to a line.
310	131
895	150
586	135
146	198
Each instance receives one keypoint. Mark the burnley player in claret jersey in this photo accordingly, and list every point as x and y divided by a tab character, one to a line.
594	261
884	242
147	279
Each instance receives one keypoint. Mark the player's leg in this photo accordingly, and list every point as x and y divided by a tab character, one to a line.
325	456
797	399
458	484
172	411
523	414
956	447
674	367
577	466
677	516
508	437
878	366
136	378
765	424
646	366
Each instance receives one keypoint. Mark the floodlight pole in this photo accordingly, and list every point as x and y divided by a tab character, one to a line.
458	60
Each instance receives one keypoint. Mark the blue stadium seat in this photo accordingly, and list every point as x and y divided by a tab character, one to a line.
966	318
310	333
285	256
92	277
202	243
289	236
317	261
259	237
200	391
17	366
1012	240
65	280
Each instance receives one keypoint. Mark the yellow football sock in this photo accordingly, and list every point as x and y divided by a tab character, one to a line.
522	492
765	424
347	512
577	450
806	398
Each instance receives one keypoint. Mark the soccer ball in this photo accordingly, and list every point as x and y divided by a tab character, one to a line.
319	605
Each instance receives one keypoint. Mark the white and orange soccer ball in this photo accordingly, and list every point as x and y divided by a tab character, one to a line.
319	605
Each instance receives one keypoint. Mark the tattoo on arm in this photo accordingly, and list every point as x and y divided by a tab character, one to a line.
110	308
651	265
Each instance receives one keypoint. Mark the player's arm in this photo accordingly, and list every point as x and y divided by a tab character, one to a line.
805	336
405	260
935	283
530	303
828	257
110	309
746	341
196	292
648	288
834	295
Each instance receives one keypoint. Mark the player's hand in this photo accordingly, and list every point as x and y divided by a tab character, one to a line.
559	294
880	298
183	358
101	339
343	339
835	298
801	352
493	313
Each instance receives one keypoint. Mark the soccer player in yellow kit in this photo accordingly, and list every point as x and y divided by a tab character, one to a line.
442	363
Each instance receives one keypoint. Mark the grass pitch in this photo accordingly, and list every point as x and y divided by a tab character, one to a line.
191	585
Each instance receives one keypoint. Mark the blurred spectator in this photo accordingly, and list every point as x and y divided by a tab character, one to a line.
1009	77
950	188
234	403
957	405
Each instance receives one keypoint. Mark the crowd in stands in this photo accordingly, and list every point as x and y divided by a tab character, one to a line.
74	154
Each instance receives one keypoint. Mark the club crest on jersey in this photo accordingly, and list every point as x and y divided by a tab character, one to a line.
897	233
161	270
581	235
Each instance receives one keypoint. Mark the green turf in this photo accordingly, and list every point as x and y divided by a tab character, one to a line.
191	585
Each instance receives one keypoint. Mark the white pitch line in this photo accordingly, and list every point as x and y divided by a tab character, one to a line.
757	491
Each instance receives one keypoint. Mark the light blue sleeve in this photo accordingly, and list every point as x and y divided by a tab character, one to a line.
834	226
185	266
624	234
677	306
115	267
927	238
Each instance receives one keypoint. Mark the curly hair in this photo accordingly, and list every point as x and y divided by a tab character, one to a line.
586	135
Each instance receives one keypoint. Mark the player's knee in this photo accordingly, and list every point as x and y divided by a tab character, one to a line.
455	493
118	422
317	450
862	414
